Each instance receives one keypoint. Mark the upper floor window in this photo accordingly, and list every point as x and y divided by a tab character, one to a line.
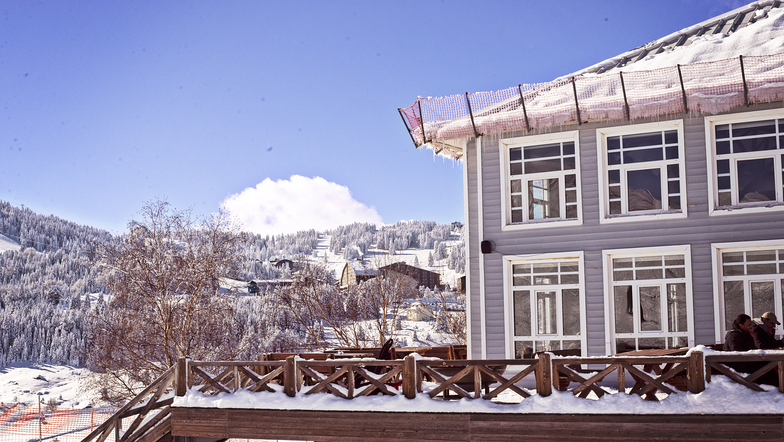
745	156
642	171
542	180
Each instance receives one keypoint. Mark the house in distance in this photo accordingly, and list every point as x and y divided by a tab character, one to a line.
638	203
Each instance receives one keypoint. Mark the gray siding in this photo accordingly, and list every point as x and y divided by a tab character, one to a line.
698	230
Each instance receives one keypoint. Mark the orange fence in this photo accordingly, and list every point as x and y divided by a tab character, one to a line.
23	423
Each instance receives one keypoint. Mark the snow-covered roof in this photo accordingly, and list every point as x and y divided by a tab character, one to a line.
732	60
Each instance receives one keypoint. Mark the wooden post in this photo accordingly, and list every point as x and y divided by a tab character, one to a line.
261	371
695	375
290	377
781	376
181	378
409	377
543	385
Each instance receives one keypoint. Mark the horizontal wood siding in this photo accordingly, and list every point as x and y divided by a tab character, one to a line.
698	230
421	426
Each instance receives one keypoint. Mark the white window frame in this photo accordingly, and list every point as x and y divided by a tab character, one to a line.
601	151
504	146
609	284
713	185
510	260
718	279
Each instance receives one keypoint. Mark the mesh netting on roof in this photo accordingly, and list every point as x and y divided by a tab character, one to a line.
705	88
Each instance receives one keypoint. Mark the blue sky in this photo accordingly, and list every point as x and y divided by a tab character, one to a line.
285	112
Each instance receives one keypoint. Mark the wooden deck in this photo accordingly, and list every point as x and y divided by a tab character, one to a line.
410	427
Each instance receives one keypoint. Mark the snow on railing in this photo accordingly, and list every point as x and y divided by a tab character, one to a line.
698	88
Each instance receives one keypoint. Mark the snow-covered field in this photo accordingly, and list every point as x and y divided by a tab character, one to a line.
23	382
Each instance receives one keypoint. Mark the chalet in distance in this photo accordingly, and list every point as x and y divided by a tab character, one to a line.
638	203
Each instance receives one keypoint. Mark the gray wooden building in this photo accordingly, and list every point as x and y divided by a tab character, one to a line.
629	205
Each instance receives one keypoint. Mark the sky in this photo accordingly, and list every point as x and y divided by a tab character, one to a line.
283	113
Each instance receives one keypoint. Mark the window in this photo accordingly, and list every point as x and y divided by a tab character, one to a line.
649	299
545	304
750	281
745	152
542	180
642	171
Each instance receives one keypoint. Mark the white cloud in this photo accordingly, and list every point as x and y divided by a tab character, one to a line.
299	203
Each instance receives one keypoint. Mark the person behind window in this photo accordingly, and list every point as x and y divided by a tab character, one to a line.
764	334
739	338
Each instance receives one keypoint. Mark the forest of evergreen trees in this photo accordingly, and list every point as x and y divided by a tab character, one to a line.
52	282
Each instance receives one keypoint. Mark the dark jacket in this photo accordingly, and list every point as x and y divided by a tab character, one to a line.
737	340
763	339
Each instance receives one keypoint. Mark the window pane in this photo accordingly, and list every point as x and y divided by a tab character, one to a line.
571	212
761	269
650	308
524	349
516	168
761	255
754	128
568	163
733	302
622	263
723	131
642	155
649	261
623	345
732	257
542	166
614	176
570	303
568	148
671	137
546	268
676	307
520	281
543	151
517	201
613	158
725	199
517	216
674	260
756	180
522	313
543	197
516	186
548	345
570	181
674	202
570	345
571	196
722	147
624	309
762	296
754	145
615	208
723	166
675	272
570	279
521	268
613	143
644	189
546	313
638	140
515	155
672	152
673	187
647	343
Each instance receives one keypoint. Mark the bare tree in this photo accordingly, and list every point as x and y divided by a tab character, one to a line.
315	303
166	302
384	296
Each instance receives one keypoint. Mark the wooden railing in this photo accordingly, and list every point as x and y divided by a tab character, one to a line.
650	374
351	378
767	368
150	409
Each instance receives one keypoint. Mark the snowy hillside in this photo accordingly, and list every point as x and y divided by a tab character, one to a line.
8	243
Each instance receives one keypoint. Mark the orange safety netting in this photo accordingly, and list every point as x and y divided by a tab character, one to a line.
704	88
23	423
